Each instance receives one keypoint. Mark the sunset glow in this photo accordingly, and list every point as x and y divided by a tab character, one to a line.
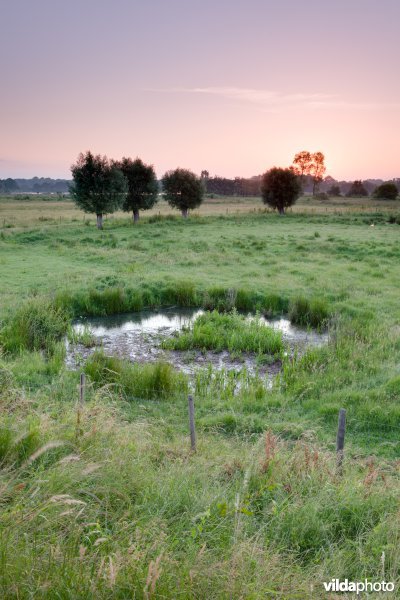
233	88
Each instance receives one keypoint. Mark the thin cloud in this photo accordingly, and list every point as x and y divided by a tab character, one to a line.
273	100
257	96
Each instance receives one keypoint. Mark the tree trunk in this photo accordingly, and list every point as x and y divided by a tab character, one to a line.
185	213
99	221
135	216
281	210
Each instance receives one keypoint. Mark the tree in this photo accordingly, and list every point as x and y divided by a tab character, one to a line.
386	191
98	186
302	164
317	170
8	185
334	190
142	186
280	188
220	185
306	163
357	189
183	190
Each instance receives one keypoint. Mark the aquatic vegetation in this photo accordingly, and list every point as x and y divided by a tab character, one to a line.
228	331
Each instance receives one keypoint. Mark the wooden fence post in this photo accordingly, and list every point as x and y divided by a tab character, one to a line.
191	424
80	404
340	440
82	390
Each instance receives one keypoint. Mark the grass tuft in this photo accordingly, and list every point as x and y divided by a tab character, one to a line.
232	332
149	380
309	313
36	325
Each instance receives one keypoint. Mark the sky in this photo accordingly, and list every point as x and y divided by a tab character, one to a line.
231	86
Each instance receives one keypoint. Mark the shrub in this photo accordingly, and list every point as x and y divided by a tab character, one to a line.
36	325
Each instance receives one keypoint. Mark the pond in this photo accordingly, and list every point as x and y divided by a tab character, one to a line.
138	337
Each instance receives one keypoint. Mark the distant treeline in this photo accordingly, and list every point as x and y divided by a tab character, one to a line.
38	185
345	186
252	186
221	186
233	187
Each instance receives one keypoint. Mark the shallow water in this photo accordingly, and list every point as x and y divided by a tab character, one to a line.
138	336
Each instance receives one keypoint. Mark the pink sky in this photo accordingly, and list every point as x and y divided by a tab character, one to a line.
232	87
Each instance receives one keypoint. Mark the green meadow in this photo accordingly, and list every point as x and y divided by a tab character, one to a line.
106	499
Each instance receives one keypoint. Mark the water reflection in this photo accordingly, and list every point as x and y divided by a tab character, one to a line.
172	320
146	321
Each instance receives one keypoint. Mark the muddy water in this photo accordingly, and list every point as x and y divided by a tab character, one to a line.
138	337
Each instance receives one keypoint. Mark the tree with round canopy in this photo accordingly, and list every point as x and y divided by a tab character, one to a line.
98	186
183	189
142	186
280	188
386	191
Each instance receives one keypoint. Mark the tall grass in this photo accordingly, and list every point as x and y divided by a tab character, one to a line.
312	312
183	293
130	513
16	449
35	325
230	331
148	380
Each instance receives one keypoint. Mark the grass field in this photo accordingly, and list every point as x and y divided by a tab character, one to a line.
108	501
33	210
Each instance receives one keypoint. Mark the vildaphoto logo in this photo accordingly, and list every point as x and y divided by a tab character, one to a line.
336	585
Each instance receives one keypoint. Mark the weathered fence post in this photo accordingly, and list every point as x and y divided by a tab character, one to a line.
191	424
82	390
340	440
80	404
